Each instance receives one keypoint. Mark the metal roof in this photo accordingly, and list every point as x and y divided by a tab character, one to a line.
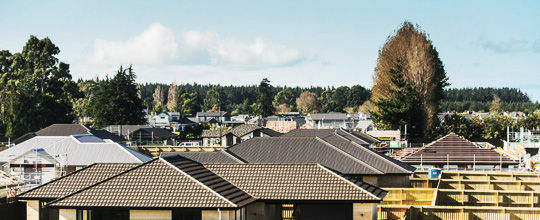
90	150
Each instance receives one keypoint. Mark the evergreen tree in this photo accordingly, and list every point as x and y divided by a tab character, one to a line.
116	102
264	98
401	107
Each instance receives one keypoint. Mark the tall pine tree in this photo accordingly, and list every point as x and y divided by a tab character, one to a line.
264	98
116	101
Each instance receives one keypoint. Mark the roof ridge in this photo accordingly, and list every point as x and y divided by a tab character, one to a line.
202	184
349	155
378	155
100	182
351	183
233	156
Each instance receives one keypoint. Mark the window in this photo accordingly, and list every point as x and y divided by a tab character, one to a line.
287	211
103	214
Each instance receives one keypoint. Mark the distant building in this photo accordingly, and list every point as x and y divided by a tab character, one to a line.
235	135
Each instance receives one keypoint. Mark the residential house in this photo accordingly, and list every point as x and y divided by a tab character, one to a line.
235	135
454	151
124	131
174	187
43	158
151	134
214	117
342	151
328	120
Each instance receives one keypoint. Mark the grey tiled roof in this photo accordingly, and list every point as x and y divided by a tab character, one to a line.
300	150
206	157
338	150
77	180
155	184
244	129
212	114
294	182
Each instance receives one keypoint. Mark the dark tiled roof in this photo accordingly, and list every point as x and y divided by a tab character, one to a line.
239	131
327	134
206	157
155	184
300	150
63	130
455	150
366	137
103	134
212	114
270	132
77	180
156	132
294	182
244	129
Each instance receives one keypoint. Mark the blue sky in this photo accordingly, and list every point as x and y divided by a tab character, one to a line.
304	43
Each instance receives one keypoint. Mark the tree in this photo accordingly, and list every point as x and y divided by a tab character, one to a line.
496	106
285	96
215	97
158	98
357	95
188	104
116	102
282	109
307	102
264	98
401	107
36	88
421	68
172	100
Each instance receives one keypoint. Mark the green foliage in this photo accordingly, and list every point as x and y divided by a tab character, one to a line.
36	88
401	107
116	101
285	96
215	97
532	121
188	104
264	98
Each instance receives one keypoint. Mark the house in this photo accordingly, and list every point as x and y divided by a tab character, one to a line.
235	135
328	120
454	151
218	117
70	129
151	134
345	152
43	158
174	187
124	131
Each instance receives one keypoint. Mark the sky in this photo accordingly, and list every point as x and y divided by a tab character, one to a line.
292	43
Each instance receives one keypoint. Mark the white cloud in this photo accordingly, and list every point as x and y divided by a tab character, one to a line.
156	45
159	45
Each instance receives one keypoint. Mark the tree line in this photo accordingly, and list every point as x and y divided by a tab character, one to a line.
37	90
